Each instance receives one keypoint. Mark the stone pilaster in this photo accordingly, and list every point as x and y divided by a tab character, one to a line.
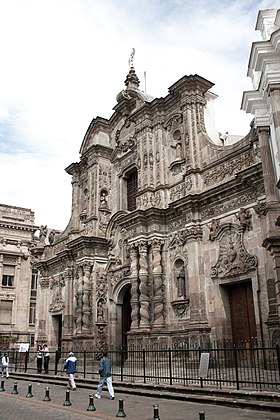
144	293
157	283
272	203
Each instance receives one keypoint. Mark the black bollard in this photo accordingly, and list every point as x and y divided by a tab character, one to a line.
156	412
91	406
67	399
29	392
201	415
121	412
15	390
2	388
47	394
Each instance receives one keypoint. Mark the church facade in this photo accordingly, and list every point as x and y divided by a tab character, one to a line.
164	246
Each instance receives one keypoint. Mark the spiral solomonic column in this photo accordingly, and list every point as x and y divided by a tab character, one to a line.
134	287
144	292
78	309
157	283
86	295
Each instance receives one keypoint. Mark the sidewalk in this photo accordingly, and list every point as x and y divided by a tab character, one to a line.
135	407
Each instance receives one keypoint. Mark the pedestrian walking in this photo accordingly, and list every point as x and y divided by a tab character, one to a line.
46	356
70	365
105	373
39	359
5	366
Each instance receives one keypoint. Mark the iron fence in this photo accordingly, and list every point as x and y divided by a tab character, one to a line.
235	367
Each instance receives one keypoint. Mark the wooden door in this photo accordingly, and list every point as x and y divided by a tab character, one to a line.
242	313
126	318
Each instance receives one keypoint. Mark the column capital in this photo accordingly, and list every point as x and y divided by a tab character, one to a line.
263	129
274	89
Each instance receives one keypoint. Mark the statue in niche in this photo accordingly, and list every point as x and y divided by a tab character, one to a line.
104	199
100	311
178	145
181	283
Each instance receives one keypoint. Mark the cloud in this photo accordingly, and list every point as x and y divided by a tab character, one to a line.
64	61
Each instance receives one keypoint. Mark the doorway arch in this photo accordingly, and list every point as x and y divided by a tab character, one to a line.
123	314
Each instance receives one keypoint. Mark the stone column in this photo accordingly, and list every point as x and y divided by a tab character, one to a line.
134	288
144	293
79	301
157	283
68	312
86	311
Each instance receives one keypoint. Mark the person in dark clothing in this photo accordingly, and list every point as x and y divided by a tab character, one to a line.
70	365
105	368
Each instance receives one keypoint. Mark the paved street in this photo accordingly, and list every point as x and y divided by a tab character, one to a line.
136	407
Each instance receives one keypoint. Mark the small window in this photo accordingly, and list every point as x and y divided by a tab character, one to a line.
34	282
8	275
32	313
132	187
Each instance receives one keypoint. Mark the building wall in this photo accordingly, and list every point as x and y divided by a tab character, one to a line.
16	239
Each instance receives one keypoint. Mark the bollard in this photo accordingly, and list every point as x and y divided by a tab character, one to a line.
47	394
67	399
29	392
121	412
156	412
2	388
15	390
91	406
201	415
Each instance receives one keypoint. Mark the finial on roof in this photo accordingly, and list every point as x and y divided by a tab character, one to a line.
131	57
131	81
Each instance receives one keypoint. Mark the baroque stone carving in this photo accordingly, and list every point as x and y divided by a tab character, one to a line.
228	169
180	308
57	303
233	258
244	218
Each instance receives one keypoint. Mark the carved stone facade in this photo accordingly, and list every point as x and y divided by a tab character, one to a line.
167	271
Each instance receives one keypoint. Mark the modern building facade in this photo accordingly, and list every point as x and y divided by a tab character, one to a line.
18	292
164	246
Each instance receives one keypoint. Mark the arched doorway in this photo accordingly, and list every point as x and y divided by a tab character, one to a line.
126	317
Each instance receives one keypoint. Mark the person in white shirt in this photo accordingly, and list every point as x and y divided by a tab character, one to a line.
46	355
5	366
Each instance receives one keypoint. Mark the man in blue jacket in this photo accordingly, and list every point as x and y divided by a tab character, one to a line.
70	365
105	373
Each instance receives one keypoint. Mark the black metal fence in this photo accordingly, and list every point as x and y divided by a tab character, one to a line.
235	367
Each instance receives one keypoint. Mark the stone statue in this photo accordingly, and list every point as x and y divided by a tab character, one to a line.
181	283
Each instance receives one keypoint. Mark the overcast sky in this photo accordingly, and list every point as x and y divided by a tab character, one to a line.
64	61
